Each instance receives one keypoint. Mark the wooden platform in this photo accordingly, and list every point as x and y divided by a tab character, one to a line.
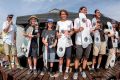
18	74
21	74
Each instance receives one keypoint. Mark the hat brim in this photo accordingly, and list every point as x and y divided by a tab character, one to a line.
33	17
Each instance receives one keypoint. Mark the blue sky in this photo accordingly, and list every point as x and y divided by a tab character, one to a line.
110	8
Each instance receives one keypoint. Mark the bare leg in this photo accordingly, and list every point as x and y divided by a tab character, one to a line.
84	63
60	64
30	62
35	62
93	61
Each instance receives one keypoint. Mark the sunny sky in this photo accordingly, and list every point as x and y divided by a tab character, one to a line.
110	8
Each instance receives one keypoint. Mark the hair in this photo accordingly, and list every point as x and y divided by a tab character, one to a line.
96	10
65	11
46	26
82	8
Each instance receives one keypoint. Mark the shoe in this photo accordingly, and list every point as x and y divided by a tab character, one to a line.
19	67
35	71
42	73
98	69
83	74
66	75
58	74
29	71
51	74
75	75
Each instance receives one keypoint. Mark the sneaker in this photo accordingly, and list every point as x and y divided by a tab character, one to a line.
19	67
83	74
75	75
66	75
29	71
51	74
58	74
42	73
35	71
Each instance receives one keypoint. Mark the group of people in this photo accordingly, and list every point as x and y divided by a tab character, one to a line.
88	34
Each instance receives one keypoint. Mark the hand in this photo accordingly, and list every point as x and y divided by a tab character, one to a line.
46	44
81	29
66	33
30	36
11	22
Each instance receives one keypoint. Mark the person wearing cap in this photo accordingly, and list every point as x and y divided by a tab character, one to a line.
99	45
33	48
49	43
112	45
9	40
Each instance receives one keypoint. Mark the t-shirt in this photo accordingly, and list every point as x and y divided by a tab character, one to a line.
77	25
51	34
65	25
8	37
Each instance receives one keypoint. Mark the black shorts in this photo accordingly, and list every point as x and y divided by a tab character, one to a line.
80	51
33	52
68	52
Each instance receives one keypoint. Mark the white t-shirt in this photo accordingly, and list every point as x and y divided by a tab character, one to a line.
77	25
65	25
97	39
9	36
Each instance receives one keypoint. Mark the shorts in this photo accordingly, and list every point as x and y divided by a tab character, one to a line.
51	57
33	52
68	52
80	51
8	49
101	50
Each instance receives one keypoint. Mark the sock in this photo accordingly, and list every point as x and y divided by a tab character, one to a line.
34	67
92	67
30	67
67	68
60	68
98	66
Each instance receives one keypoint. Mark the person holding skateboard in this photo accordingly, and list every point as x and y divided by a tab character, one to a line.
83	40
9	41
99	45
32	34
64	32
112	45
49	40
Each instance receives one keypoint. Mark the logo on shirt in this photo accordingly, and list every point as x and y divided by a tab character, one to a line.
85	39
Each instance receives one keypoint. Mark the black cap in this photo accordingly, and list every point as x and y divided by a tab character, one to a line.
10	15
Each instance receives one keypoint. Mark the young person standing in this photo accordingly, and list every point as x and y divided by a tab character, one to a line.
49	40
99	46
33	42
9	40
65	26
112	45
83	42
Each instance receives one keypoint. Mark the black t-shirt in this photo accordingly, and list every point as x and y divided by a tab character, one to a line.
35	32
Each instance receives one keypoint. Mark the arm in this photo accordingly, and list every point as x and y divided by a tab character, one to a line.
44	41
